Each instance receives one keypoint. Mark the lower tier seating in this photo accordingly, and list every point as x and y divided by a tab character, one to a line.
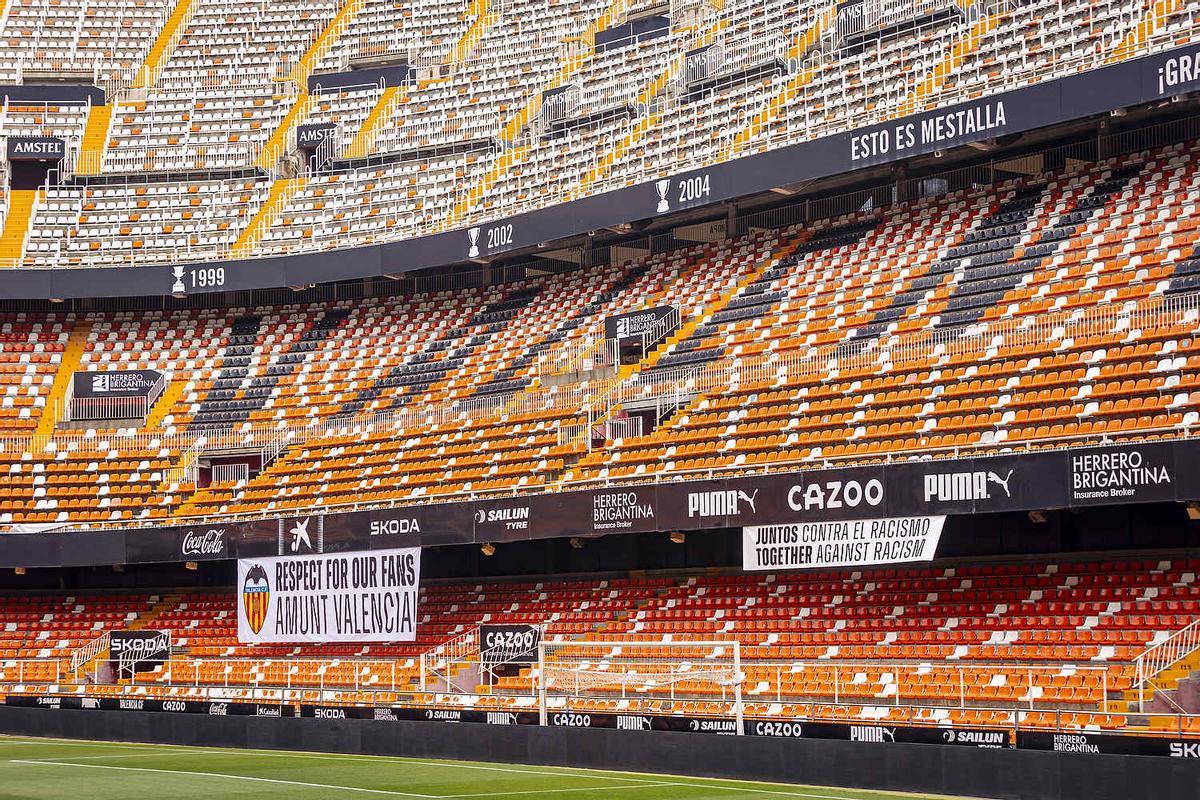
968	644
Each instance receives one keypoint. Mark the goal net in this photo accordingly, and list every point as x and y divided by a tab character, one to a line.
634	667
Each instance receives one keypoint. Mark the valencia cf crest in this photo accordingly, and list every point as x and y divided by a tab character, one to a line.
256	595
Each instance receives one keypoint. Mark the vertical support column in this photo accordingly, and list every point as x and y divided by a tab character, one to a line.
541	684
737	687
1141	682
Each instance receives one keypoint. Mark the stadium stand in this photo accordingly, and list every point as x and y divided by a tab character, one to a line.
1037	296
1080	277
467	141
974	644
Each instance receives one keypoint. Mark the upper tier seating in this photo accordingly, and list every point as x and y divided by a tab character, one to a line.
30	351
1051	308
104	40
465	143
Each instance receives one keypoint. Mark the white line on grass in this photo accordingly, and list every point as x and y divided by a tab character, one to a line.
622	787
719	784
226	775
709	783
631	783
569	771
57	742
143	754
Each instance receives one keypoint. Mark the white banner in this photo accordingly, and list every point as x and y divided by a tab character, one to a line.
852	543
343	597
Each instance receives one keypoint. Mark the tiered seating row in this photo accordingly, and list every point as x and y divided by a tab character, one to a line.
970	641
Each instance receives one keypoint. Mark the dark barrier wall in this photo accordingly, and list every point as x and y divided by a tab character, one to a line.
53	93
1117	531
1002	774
392	75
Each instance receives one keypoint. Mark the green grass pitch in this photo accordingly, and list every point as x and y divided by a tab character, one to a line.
44	769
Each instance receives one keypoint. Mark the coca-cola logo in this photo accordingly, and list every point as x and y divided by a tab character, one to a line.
204	543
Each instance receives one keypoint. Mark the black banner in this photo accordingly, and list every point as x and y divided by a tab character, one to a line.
115	383
210	707
879	734
139	650
788	729
503	520
623	509
323	533
310	137
424	525
203	544
36	148
509	644
1108	744
632	325
1035	481
1142	474
363	77
412	714
642	722
631	32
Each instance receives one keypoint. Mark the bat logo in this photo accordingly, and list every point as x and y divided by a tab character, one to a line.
256	596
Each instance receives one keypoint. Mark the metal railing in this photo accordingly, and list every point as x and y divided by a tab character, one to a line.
883	683
579	356
100	409
1161	657
315	674
130	156
186	467
440	663
873	15
230	473
989	338
22	670
658	331
84	655
396	44
89	409
148	74
1002	718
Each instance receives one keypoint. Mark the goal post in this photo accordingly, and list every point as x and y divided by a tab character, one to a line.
699	670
